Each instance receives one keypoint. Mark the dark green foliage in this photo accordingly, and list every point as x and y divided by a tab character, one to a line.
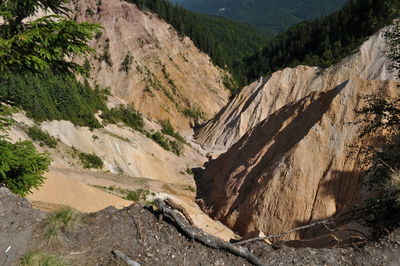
168	129
174	146
53	97
127	115
137	195
90	12
161	140
106	57
44	43
126	65
381	115
42	137
21	166
321	42
223	40
194	113
90	160
269	16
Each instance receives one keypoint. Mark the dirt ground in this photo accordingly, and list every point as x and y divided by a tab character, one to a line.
137	232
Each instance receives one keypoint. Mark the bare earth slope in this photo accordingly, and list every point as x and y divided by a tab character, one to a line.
167	73
302	162
138	233
262	98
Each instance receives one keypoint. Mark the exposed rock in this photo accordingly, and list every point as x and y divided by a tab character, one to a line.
260	99
17	222
167	73
301	164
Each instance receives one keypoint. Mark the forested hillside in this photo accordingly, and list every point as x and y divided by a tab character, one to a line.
269	16
321	42
225	41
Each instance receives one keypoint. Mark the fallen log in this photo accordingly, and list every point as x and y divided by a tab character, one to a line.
207	240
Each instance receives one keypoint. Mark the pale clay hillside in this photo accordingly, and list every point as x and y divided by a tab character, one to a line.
282	153
167	74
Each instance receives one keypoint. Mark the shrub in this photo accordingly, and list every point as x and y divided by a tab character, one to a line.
137	195
161	140
176	147
42	137
194	113
168	129
90	160
22	167
126	65
127	115
106	57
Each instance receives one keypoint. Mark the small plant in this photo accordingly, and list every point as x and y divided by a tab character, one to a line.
194	113
90	160
168	145
188	171
392	185
106	57
126	65
58	221
37	258
176	147
190	188
161	140
90	12
127	115
42	137
168	129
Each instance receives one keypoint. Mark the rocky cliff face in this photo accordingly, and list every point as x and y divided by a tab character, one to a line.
301	163
145	62
260	99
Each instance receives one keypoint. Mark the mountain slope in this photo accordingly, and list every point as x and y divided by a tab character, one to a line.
144	61
271	16
303	162
321	42
260	99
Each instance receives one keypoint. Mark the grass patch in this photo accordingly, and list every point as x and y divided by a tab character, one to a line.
58	221
37	258
44	138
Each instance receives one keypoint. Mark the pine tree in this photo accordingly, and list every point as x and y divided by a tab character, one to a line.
42	43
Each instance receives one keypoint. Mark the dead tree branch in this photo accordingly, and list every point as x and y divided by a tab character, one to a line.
178	207
125	258
207	240
324	222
